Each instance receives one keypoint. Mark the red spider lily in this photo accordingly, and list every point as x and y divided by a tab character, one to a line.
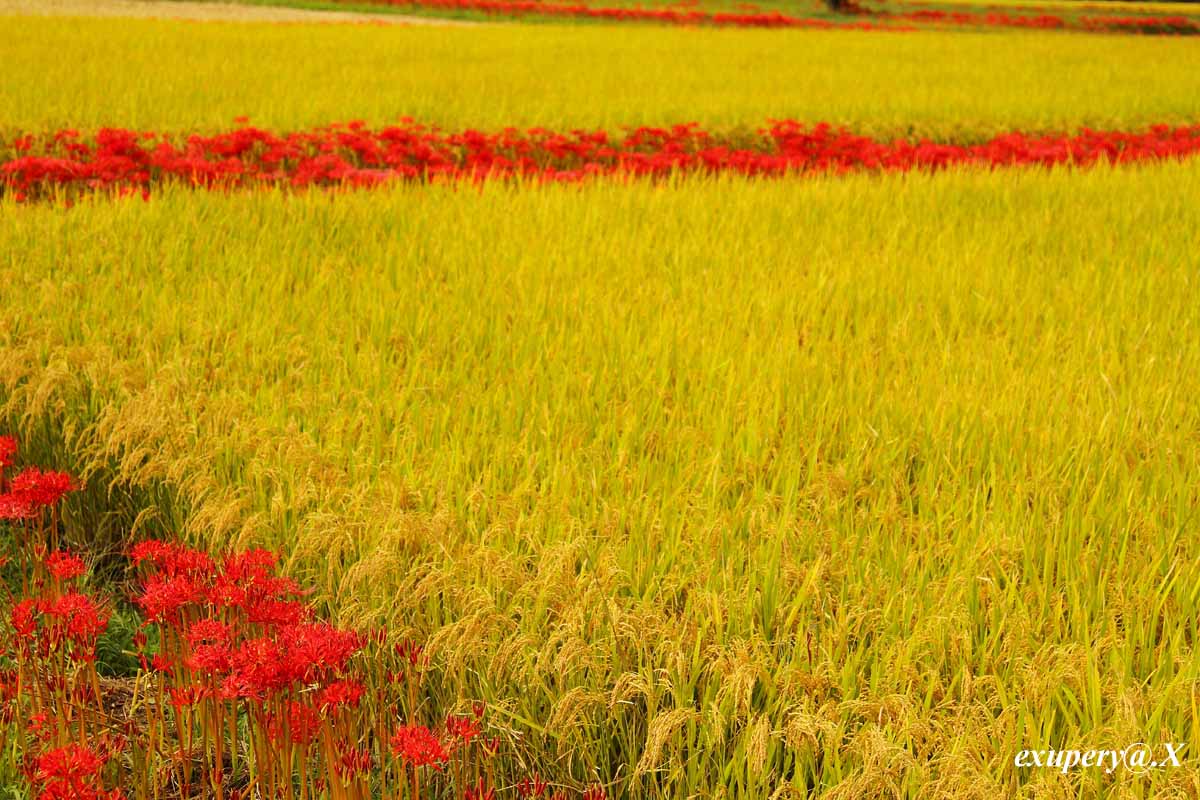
290	655
181	578
41	488
256	669
595	792
39	725
164	597
16	507
211	658
65	566
24	618
250	564
8	444
418	746
74	617
185	696
247	581
318	650
277	612
187	561
463	729
72	773
234	644
532	786
353	155
152	550
208	631
340	694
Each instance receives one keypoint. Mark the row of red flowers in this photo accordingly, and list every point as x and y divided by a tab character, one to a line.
356	155
242	691
1172	25
672	15
675	14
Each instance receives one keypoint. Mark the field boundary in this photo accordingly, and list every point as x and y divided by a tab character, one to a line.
198	11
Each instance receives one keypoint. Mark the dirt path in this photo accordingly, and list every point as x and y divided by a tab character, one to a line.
187	9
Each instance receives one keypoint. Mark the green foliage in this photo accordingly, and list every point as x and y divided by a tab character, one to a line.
115	650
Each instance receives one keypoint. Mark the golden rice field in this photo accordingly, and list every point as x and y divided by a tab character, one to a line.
711	487
91	73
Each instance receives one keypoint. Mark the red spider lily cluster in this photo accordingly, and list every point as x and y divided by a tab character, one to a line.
992	19
73	772
354	155
1176	25
50	695
678	14
1171	26
242	691
30	491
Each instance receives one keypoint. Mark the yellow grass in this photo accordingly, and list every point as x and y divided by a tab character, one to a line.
715	488
185	75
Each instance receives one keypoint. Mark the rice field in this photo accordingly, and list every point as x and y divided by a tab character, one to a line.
947	87
707	486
